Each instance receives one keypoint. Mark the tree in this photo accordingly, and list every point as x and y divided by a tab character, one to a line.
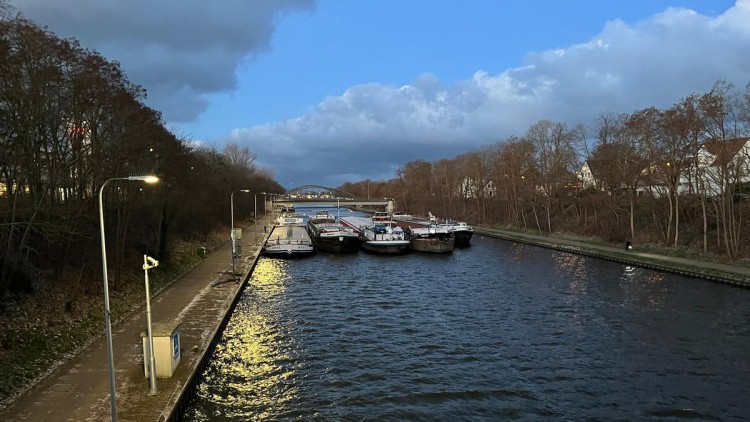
719	113
514	163
415	178
555	158
445	185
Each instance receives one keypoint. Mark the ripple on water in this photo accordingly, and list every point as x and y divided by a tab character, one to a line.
494	332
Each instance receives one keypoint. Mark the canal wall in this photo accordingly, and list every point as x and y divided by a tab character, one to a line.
711	271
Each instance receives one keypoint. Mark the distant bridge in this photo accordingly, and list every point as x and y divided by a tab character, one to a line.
330	197
317	189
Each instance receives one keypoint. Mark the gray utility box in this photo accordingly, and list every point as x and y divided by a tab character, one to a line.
166	348
237	243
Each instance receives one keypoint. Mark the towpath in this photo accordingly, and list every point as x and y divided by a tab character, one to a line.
199	300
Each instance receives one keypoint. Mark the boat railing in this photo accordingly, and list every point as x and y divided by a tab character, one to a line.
280	241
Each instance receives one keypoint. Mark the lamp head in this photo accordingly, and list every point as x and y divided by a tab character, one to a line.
148	179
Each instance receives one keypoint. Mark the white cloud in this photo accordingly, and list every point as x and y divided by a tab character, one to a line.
655	62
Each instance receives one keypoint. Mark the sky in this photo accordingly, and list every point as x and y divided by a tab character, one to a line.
334	91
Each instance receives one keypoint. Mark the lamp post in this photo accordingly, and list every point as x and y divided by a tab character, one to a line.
232	236
107	318
149	263
255	225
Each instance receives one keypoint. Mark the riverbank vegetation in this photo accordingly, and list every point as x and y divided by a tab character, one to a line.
676	178
70	121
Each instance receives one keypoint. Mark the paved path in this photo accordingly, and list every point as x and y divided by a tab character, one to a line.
79	389
714	271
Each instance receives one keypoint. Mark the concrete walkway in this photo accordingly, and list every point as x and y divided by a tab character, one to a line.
713	271
199	300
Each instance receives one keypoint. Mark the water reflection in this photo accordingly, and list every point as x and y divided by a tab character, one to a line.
644	288
254	365
573	268
519	251
270	277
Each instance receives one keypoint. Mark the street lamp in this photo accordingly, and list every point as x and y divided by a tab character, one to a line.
232	237
255	225
149	263
107	318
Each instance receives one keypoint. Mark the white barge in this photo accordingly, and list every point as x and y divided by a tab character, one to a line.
288	239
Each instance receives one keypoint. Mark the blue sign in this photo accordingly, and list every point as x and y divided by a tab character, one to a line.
176	344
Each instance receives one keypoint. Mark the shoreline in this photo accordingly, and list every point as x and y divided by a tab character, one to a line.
736	276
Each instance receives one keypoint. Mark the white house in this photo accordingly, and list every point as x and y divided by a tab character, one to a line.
718	162
714	159
472	189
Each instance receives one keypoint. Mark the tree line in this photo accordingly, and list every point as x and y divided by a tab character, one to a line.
70	120
651	178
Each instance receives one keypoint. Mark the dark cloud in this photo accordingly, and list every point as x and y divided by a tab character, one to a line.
180	50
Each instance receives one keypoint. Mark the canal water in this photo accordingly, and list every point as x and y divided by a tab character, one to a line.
496	331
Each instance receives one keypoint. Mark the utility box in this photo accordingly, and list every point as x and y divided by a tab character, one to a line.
166	348
237	239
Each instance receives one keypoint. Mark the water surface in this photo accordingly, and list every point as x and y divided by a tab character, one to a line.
497	331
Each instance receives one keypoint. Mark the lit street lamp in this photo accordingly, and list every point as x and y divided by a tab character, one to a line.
234	241
149	263
255	225
107	318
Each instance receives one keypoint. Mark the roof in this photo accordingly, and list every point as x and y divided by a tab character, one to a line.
724	151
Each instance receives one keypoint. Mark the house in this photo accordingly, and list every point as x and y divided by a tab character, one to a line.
718	163
474	189
586	176
594	174
600	175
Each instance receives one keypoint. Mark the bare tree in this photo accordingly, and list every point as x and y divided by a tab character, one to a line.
719	109
514	164
240	159
416	177
555	159
445	185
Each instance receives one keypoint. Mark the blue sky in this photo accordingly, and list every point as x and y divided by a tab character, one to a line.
341	44
334	91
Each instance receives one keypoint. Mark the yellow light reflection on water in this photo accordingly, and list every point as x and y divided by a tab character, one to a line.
270	276
258	369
